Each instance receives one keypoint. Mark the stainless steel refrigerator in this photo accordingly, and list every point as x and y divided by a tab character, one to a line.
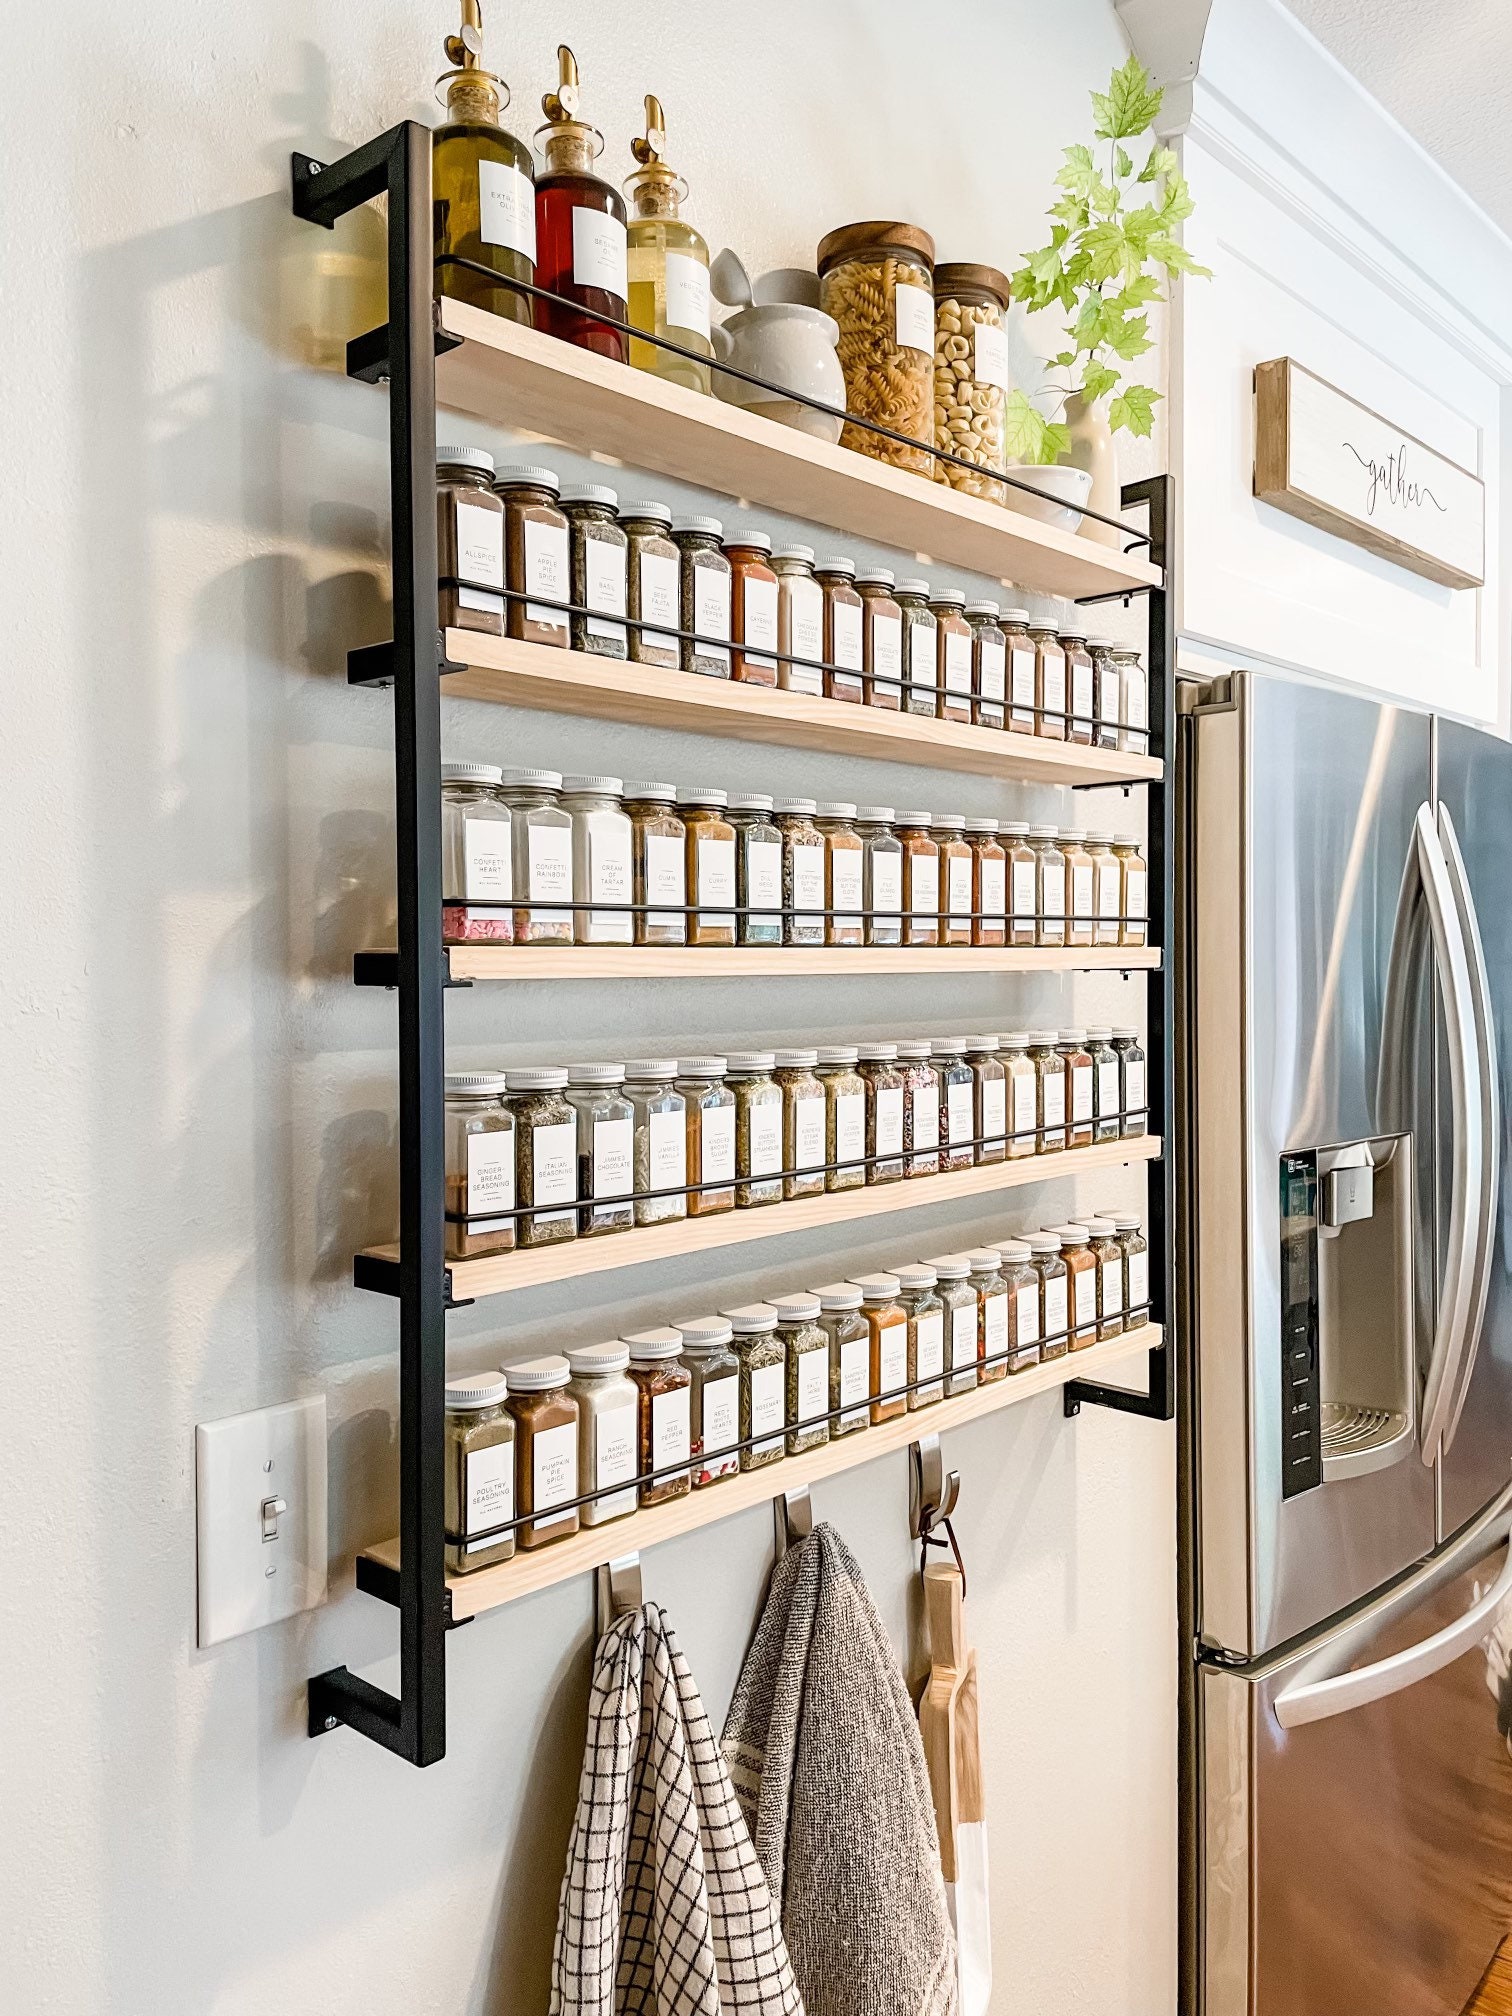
1345	952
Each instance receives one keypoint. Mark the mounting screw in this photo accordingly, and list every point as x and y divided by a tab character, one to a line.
331	1723
314	168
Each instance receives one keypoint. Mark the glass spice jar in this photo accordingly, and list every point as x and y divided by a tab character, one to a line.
541	854
844	648
844	872
476	831
1081	723
599	546
659	866
1107	1086
989	662
881	640
710	864
537	557
1081	916
758	1128
1136	884
605	1148
1072	1045
1108	1254
806	1348
1135	682
921	671
957	1102
1049	886
608	1404
704	595
926	1335
953	638
1022	1281
992	1315
1054	1287
989	1098
803	853
1022	1075
957	862
1023	664
1081	1271
758	870
664	1416
1136	1268
1049	682
478	1442
882	875
887	1330
1050	1071
714	1399
877	281
849	1336
480	1166
469	543
958	1298
710	1106
887	1090
1107	888
653	562
844	1117
1107	687
763	1383
545	1155
601	859
803	1123
1132	1098
921	1109
546	1450
661	1140
971	376
753	587
800	621
989	883
1023	879
921	878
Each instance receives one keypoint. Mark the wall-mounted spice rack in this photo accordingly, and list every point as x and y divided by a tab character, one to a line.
520	378
748	962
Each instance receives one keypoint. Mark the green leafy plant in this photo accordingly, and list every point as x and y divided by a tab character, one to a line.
1108	258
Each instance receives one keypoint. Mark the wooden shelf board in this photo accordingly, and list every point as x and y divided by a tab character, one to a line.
524	1573
518	377
512	673
727	962
532	1267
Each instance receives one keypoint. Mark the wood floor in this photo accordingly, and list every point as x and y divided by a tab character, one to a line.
1494	1995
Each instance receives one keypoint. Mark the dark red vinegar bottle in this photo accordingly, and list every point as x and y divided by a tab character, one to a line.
580	226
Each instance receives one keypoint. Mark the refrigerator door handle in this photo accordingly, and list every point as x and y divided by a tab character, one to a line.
1490	1101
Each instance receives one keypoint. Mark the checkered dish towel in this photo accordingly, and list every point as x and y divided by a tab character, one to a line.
664	1911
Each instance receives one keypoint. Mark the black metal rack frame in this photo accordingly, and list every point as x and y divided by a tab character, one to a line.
397	165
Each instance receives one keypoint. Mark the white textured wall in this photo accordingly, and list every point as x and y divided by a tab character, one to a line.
198	1108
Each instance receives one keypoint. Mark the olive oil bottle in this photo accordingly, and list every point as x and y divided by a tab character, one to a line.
482	187
669	264
580	225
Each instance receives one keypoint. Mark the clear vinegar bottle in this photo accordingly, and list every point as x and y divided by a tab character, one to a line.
669	264
482	185
580	226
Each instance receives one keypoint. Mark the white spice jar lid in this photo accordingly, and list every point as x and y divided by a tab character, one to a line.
1013	1039
916	1278
598	1359
836	808
537	1375
595	1074
1015	615
598	787
1070	1235
1099	1228
475	1084
1075	834
702	1067
751	1061
947	1046
797	1308
913	587
534	473
954	596
841	563
1040	1037
876	577
875	815
797	1060
639	1068
837	1053
979	1042
704	1333
877	1287
805	553
952	1266
751	1321
537	1078
1098	1035
1076	1036
471	773
1126	1221
1014	1251
647	1346
1013	828
915	818
465	458
984	1259
876	1053
701	794
750	535
1042	832
640	787
698	521
540	780
647	507
805	806
591	493
953	822
839	1295
1099	839
1042	1242
1125	839
915	1048
753	801
982	609
474	1390
1122	1032
982	825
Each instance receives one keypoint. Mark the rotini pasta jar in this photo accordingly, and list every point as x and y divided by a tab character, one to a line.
877	281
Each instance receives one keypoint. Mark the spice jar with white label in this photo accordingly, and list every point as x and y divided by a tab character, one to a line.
758	870
714	1398
844	1117
537	556
1049	682
1080	1095
800	620
971	376
661	1140
1108	1254
807	1371
608	1404
1136	1268
881	642
1107	1086
887	1091
1081	893
546	1449
989	1097
992	1315
545	1154
803	1123
844	646
1016	1266
605	1147
1054	1295
1136	884
582	252
957	1102
1107	682
1081	688
703	595
763	1384
803	871
844	872
599	549
989	665
877	281
664	1417
478	1443
753	623
654	568
887	1325
921	878
480	1166
659	869
1134	733
601	860
1023	879
956	878
469	542
1050	1073
1050	890
926	1335
758	1127
1081	1282
1022	1076
989	883
921	1109
541	849
882	875
1133	1102
1107	882
476	853
710	864
710	1107
849	1336
953	655
961	1321
1023	671
921	649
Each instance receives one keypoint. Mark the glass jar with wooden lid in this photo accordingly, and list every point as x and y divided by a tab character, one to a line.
971	376
877	281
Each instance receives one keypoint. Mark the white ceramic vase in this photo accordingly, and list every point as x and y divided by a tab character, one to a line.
1092	449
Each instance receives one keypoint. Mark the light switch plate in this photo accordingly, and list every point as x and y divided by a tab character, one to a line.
258	1563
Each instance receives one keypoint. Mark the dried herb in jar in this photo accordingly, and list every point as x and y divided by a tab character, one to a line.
661	1140
664	1432
806	1344
763	1384
758	1128
715	1396
849	1336
545	1155
844	1117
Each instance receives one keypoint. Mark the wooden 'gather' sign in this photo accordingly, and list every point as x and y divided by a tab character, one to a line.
1324	457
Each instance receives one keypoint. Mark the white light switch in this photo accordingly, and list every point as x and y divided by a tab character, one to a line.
260	1487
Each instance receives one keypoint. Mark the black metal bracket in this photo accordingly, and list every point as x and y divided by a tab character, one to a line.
381	969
